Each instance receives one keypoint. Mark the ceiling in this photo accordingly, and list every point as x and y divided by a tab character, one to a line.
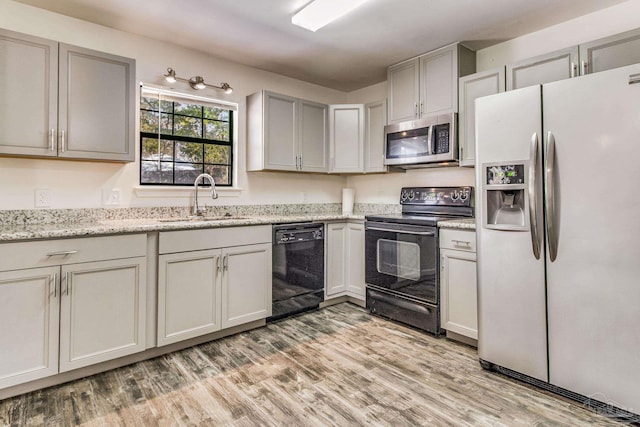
349	53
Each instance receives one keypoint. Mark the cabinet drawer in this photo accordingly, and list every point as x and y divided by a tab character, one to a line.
15	256
212	238
458	240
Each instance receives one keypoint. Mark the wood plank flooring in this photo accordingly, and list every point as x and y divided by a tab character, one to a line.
338	366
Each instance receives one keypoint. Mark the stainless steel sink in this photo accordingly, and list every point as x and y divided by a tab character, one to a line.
200	218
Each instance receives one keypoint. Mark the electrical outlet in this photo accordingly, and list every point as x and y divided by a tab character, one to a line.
43	198
303	197
111	197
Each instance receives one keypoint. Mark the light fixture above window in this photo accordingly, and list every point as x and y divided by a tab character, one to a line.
196	82
319	13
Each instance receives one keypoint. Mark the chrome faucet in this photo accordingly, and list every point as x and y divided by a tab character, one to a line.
196	209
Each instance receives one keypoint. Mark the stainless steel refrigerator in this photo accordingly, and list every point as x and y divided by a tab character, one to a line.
558	215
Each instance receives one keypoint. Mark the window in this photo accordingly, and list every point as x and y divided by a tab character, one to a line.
182	136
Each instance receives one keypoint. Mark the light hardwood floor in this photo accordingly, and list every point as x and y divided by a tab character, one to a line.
337	366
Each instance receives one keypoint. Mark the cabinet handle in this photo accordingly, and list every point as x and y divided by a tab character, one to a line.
416	105
225	262
62	253
54	279
584	65
301	162
634	78
574	69
62	148
421	108
52	140
65	282
461	242
218	264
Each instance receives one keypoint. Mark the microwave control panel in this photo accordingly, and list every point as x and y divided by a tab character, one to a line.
441	138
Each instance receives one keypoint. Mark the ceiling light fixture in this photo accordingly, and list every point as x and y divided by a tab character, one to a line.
319	13
196	82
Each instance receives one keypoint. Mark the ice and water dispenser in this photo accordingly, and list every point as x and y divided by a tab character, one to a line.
505	202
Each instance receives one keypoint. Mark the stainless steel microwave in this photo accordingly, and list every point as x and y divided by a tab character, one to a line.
429	141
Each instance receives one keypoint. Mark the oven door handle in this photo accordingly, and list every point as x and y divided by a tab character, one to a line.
418	233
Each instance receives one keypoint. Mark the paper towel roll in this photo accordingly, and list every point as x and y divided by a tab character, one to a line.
348	198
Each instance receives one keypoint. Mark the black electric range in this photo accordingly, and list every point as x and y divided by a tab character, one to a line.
402	260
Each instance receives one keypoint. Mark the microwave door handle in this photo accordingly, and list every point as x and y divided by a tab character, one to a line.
417	233
430	140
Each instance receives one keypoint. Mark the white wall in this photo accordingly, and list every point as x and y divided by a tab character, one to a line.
606	22
77	184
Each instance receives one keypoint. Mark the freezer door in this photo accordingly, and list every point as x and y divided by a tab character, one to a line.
594	283
511	283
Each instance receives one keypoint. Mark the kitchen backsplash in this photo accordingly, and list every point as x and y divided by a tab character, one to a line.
75	216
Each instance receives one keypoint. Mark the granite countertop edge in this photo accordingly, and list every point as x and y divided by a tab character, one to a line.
148	225
459	224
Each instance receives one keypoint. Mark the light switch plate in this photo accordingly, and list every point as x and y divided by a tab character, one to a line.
43	198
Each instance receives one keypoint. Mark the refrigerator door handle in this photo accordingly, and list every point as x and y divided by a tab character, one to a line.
550	200
533	197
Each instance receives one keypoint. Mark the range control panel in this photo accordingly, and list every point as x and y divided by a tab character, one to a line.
440	196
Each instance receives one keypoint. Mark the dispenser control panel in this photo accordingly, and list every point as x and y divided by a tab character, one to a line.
505	174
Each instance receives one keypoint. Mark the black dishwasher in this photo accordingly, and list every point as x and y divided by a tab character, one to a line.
298	268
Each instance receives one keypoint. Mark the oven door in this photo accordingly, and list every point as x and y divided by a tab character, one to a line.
403	259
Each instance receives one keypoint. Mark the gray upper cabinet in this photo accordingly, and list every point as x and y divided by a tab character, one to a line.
65	101
313	136
375	119
611	52
428	84
29	100
286	133
404	90
558	65
96	118
471	88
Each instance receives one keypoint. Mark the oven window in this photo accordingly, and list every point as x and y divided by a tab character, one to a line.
399	259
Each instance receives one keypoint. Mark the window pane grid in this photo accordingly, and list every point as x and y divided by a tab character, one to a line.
181	140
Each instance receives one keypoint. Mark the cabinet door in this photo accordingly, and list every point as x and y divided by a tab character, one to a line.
29	319
29	95
314	138
280	131
471	88
346	124
375	121
547	68
246	284
355	259
439	81
336	239
404	90
459	299
97	105
102	311
188	295
611	52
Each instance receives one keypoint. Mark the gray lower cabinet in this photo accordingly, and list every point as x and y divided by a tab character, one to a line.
458	283
610	52
547	68
346	139
70	303
212	279
65	101
473	87
345	260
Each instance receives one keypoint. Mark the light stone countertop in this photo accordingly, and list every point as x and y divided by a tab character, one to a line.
17	232
460	224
